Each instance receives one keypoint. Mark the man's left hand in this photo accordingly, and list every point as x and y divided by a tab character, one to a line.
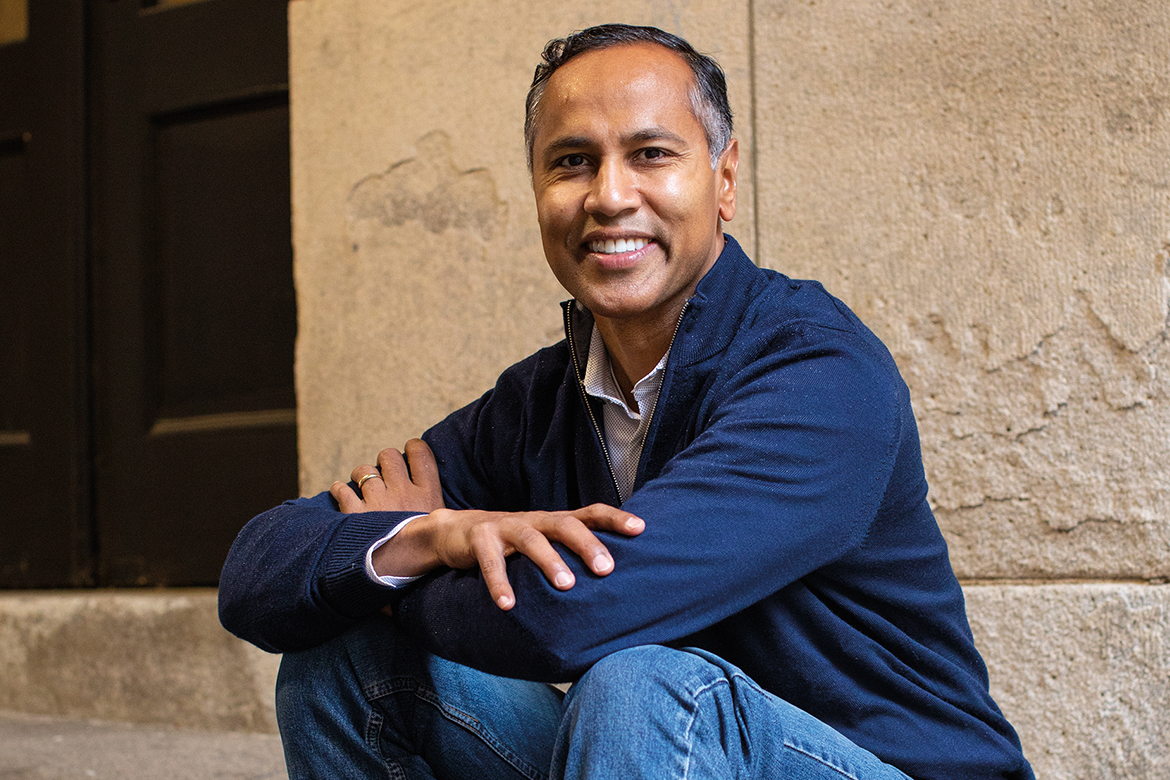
398	483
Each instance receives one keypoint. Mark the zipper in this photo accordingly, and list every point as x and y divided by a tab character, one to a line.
585	399
589	406
661	386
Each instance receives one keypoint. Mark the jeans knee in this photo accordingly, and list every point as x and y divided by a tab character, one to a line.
637	709
645	676
651	658
307	676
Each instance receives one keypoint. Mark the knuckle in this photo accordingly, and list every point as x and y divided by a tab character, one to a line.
511	528
592	513
529	536
566	525
480	534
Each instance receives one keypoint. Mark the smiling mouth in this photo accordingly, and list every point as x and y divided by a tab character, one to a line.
618	246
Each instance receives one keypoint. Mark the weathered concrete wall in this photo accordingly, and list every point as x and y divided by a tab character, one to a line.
986	183
1083	672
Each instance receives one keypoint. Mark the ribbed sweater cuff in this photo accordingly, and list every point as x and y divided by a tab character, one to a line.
344	581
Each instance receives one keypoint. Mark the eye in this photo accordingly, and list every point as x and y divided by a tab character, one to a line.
571	161
653	153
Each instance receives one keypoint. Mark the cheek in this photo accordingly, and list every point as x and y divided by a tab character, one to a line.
686	196
554	212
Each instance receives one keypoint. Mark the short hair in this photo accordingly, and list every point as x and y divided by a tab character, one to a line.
708	93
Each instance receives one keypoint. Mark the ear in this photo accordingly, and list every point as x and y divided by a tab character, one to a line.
726	172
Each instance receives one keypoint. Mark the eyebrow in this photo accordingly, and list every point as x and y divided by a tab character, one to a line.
570	142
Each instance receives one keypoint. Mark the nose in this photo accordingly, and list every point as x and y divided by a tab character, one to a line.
613	190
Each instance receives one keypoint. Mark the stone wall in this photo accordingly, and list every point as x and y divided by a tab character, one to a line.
986	183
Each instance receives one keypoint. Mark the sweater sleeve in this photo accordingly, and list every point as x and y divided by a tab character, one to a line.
783	476
295	575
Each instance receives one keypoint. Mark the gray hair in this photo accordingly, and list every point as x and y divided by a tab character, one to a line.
708	93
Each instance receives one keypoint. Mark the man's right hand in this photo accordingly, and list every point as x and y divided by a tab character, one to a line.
464	539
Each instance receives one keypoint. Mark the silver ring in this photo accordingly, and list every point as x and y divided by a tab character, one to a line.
362	481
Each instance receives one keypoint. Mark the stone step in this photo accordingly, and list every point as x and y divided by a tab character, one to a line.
36	746
1079	668
149	657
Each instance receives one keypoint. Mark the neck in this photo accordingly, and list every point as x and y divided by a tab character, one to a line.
634	350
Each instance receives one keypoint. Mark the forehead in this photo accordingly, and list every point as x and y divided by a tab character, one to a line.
626	85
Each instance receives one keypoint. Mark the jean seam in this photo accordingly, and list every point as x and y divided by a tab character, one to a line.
455	715
374	725
373	738
748	682
820	760
744	679
706	688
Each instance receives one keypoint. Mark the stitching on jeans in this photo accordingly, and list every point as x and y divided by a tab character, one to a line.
374	740
374	724
473	724
820	760
463	719
694	715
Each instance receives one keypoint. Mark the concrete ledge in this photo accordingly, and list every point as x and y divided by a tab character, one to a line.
1083	672
132	656
37	747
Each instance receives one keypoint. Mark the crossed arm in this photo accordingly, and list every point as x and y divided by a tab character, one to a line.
783	476
465	539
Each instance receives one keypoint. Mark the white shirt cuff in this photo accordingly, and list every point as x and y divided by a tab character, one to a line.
389	579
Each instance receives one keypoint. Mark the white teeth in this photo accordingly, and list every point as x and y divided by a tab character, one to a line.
620	246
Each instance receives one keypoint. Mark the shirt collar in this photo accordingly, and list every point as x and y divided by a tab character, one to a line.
600	382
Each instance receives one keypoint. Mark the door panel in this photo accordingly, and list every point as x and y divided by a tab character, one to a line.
148	320
194	312
45	535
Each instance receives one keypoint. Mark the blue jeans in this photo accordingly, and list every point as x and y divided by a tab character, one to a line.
370	705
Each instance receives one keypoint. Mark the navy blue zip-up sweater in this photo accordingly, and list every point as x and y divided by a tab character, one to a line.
787	530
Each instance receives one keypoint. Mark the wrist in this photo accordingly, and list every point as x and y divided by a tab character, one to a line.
410	552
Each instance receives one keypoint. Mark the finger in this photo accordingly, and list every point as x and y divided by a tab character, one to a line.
364	476
490	556
603	517
533	544
393	468
571	532
347	500
424	471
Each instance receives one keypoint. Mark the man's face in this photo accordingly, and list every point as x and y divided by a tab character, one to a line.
628	203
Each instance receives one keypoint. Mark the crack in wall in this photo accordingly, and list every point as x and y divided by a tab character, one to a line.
1076	427
431	190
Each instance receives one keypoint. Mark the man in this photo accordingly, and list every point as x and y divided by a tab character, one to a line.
705	507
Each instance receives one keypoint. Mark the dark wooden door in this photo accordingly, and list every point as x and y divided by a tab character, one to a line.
148	320
45	537
195	318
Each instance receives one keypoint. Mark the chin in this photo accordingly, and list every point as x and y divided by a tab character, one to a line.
618	309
